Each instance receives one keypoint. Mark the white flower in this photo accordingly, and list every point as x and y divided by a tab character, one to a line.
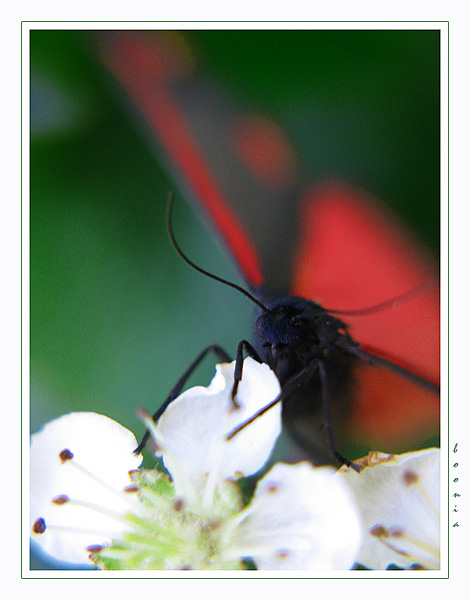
92	480
398	497
191	434
299	517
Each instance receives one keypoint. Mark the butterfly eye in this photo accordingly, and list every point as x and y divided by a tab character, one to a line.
296	320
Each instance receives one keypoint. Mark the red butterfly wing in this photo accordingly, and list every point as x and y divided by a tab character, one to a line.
353	255
235	165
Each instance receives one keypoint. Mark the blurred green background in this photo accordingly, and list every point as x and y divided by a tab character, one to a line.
115	315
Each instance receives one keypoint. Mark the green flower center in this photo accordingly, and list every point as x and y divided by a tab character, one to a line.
167	533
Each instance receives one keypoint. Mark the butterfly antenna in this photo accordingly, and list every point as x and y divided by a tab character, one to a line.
178	249
391	303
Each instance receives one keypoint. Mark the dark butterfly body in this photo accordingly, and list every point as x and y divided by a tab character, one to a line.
303	345
311	241
296	333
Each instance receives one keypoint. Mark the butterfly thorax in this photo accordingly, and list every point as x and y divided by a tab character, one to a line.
296	333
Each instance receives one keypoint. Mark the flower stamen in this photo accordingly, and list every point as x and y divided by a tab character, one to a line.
426	554
39	526
178	472
67	457
411	479
219	453
61	500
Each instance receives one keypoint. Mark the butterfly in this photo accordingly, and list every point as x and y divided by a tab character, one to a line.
300	246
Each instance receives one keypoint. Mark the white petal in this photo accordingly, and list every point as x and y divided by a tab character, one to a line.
193	428
400	493
300	518
99	445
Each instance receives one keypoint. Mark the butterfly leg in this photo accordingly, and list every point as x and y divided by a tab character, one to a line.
327	418
246	347
176	391
286	392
